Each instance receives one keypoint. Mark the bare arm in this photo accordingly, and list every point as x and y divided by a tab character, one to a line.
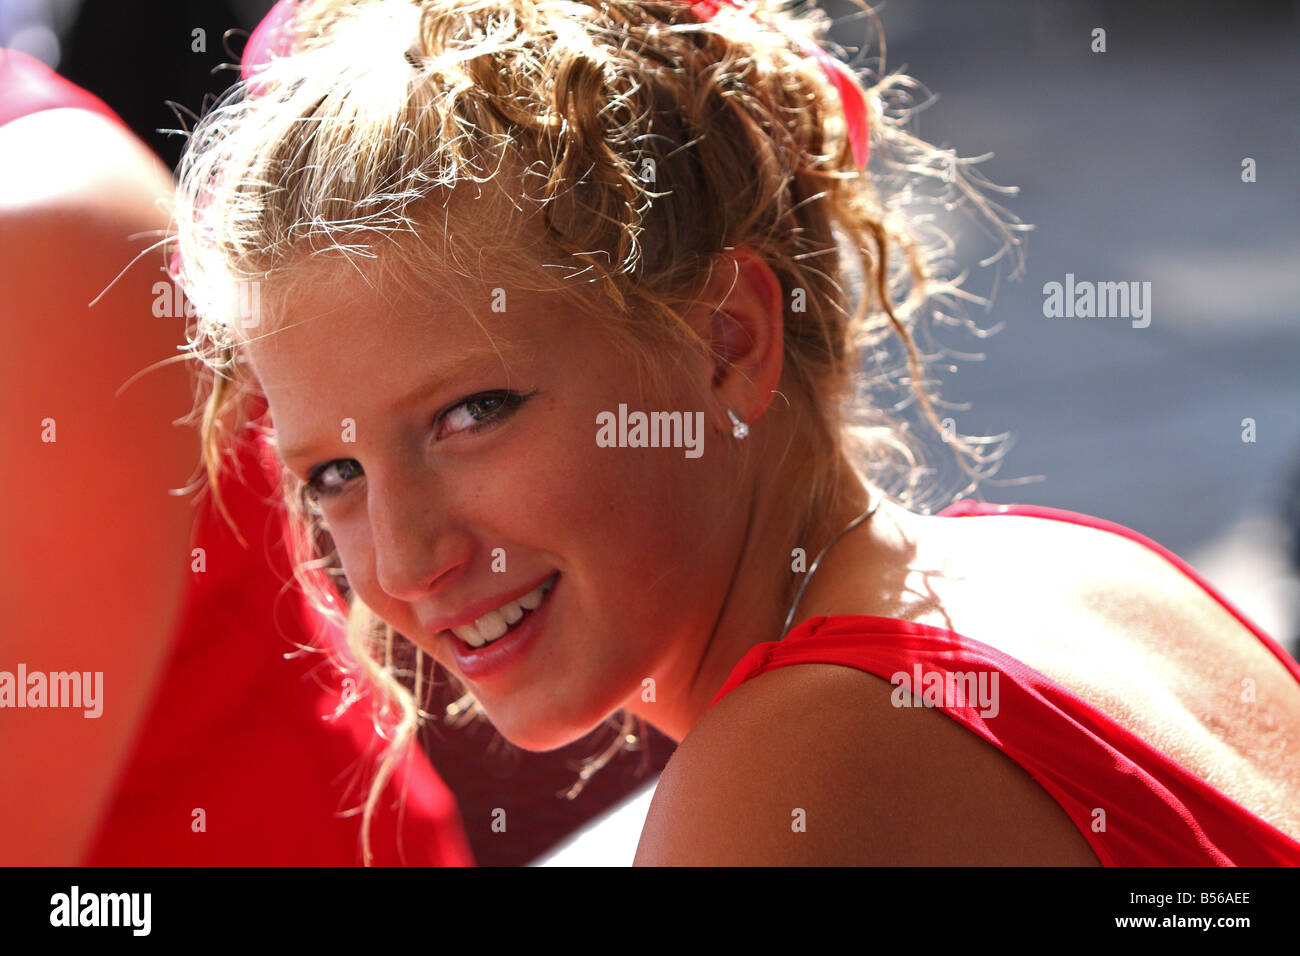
94	551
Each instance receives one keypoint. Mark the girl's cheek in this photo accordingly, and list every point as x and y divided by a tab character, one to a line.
357	559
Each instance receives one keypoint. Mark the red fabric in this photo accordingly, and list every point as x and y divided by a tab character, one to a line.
1157	812
233	729
240	732
855	106
271	38
28	86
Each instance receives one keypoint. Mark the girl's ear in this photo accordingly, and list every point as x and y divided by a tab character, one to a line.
746	329
730	343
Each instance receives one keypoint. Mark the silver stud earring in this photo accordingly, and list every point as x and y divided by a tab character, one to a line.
738	428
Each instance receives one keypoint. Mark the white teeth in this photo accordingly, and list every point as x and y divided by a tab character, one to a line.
493	624
469	634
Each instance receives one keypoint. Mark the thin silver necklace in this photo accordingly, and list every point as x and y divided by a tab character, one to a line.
789	618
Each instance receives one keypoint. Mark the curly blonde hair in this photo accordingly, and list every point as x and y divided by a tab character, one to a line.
648	141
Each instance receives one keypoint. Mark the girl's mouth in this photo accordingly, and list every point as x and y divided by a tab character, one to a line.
501	621
496	657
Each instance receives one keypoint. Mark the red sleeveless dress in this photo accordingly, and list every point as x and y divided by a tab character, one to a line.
1157	813
236	762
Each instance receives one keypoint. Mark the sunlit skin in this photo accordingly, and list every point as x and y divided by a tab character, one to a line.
670	567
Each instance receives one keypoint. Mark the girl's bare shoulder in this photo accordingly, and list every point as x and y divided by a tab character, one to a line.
1125	628
813	765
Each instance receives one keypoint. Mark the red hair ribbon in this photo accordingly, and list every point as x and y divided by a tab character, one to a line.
271	38
274	37
855	106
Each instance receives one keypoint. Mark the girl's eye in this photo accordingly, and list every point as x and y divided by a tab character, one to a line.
479	411
473	414
330	478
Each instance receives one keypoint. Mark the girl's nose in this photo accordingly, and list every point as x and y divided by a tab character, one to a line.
419	547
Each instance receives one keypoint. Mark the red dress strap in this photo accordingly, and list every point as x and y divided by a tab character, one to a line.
1134	805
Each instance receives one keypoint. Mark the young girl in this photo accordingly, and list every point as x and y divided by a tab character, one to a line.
563	312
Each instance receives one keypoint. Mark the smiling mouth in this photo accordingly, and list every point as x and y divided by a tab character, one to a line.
495	624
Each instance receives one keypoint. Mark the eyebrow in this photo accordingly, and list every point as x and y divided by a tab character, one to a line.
465	361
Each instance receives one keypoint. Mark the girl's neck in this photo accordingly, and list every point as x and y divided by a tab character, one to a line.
768	573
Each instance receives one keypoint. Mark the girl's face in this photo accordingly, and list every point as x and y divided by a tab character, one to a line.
451	442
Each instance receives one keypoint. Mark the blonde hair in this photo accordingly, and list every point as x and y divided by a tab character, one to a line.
646	142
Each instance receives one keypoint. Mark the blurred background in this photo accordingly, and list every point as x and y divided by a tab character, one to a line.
1129	164
1130	168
